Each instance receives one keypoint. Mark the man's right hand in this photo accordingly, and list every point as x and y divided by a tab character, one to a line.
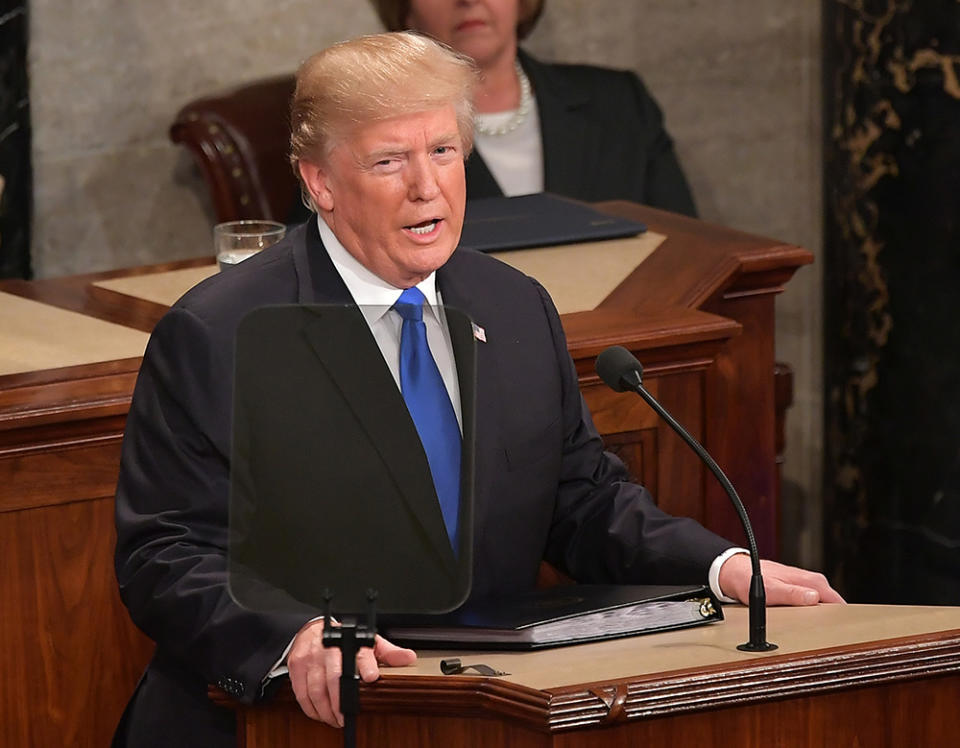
315	670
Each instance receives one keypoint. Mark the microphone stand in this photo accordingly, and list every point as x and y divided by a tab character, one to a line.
757	598
348	637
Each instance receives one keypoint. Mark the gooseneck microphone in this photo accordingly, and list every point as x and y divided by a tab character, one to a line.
621	371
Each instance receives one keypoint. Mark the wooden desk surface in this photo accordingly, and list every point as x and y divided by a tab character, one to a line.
794	630
682	310
843	675
38	335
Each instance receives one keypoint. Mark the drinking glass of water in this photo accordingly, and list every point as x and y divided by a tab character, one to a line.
235	241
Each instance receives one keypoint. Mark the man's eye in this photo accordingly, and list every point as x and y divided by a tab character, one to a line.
386	165
442	150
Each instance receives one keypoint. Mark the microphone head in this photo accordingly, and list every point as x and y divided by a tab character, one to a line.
619	369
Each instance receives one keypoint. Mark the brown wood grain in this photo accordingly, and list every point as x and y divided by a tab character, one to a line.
58	472
681	472
68	652
63	397
743	394
734	277
898	692
79	294
698	313
886	716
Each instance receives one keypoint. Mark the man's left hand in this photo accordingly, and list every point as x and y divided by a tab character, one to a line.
784	585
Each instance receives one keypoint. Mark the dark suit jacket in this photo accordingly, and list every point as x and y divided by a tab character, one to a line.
603	139
351	505
544	488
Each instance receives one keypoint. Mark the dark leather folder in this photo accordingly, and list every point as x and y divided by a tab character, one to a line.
557	616
493	224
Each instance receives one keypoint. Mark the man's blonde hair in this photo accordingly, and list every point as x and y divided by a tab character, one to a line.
373	78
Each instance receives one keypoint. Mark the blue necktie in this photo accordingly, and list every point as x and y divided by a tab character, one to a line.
430	407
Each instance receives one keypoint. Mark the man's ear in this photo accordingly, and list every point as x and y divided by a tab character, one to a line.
317	182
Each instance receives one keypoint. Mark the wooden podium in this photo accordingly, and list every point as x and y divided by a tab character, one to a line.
695	302
853	675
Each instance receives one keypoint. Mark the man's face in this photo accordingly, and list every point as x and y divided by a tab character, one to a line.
394	193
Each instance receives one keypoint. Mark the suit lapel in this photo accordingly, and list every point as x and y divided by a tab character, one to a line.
348	353
475	370
318	281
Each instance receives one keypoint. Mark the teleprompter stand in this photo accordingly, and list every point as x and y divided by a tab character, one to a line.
348	637
334	454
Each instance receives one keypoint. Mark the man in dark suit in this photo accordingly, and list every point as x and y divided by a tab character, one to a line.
381	128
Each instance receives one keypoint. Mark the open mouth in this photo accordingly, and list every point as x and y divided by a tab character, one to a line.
425	227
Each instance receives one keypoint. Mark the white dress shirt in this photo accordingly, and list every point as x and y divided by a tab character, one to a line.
375	297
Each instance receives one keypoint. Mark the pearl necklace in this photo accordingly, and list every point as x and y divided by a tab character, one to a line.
519	116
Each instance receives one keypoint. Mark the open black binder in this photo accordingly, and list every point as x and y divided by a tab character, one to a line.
558	616
493	224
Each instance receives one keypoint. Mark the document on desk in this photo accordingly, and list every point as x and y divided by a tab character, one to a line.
494	224
559	616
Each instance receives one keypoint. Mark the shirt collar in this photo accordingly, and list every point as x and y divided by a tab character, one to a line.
371	293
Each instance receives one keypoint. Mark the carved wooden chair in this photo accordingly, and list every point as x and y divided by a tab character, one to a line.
240	139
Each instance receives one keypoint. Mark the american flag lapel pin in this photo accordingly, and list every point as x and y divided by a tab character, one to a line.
478	332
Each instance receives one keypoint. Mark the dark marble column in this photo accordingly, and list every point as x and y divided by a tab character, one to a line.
16	180
892	298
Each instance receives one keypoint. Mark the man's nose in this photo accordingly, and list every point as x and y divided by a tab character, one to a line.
423	183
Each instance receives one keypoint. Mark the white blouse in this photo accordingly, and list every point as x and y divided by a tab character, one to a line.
516	158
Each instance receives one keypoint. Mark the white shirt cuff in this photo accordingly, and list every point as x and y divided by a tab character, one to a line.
280	666
713	577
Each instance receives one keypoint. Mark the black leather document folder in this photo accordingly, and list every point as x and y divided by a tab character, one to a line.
558	616
493	224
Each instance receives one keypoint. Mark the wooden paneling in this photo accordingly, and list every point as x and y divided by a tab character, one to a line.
698	313
682	474
399	732
68	652
655	454
897	692
58	472
64	401
745	395
887	716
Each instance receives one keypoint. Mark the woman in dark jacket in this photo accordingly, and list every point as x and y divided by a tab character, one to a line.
577	130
